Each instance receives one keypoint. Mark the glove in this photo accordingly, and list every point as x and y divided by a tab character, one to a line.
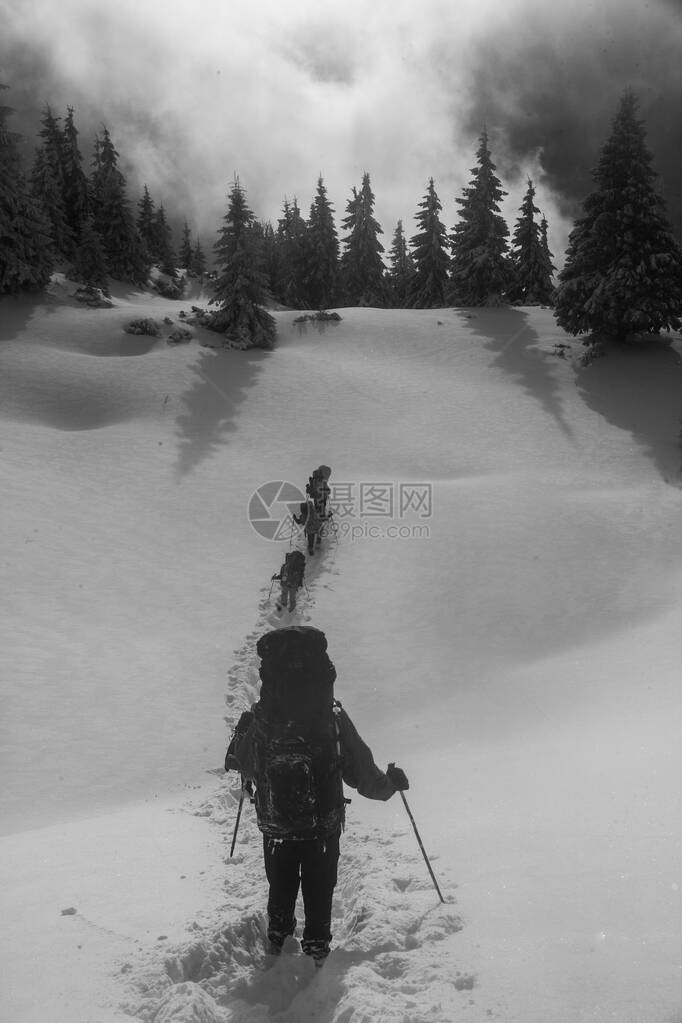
397	778
231	762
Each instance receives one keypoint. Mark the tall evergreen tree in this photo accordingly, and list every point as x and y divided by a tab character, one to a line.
47	184
546	257
145	223
185	252
240	288
89	263
75	188
321	259
623	269
428	286
362	268
532	275
163	242
401	269
125	252
198	263
481	272
291	243
25	249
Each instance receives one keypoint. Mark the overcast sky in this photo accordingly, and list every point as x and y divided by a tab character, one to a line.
194	91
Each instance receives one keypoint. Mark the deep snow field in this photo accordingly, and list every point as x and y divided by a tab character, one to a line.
521	662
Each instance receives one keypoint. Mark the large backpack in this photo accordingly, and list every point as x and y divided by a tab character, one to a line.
293	569
297	760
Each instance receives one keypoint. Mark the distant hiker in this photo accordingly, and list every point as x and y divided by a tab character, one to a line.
311	522
298	745
291	579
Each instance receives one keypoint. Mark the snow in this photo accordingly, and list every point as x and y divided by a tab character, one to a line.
521	664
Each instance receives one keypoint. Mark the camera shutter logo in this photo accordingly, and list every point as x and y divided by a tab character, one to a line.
271	509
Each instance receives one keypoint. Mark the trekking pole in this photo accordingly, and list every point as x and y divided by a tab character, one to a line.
421	845
239	813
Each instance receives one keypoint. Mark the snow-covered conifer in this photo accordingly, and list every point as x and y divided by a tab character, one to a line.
530	255
240	288
362	268
321	260
401	269
623	269
427	288
481	272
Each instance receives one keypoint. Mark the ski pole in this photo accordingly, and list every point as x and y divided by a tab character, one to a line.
421	845
239	813
272	584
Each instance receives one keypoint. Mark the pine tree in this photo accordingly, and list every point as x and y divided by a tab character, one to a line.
321	257
76	192
146	211
198	263
362	267
546	257
240	288
291	242
47	184
163	242
25	249
185	252
623	269
428	286
481	271
532	275
124	249
89	263
401	268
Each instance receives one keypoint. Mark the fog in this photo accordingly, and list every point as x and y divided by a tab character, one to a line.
278	93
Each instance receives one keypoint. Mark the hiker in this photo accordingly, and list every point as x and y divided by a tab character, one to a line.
298	746
311	522
291	579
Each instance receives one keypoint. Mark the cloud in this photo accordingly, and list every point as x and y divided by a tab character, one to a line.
280	92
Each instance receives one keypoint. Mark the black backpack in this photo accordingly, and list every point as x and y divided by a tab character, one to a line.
293	569
297	758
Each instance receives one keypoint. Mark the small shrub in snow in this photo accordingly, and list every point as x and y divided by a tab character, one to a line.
94	298
179	336
321	316
143	326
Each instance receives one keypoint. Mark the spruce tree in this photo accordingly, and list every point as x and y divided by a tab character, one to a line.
532	274
25	248
89	263
401	269
47	184
321	257
75	188
481	272
362	268
546	257
124	249
240	288
428	286
623	269
291	243
185	251
163	242
145	224
198	263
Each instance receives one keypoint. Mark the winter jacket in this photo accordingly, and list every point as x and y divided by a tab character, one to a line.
357	762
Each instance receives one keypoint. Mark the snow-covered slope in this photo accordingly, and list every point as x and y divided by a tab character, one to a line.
521	662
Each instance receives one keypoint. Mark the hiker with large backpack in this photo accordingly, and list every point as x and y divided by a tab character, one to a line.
290	577
309	518
298	746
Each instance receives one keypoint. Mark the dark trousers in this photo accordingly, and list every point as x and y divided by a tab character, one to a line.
312	865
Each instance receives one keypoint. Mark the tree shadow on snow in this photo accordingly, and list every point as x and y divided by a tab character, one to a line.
222	380
507	332
638	388
17	311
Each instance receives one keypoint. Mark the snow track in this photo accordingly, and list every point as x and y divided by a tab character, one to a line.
394	950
